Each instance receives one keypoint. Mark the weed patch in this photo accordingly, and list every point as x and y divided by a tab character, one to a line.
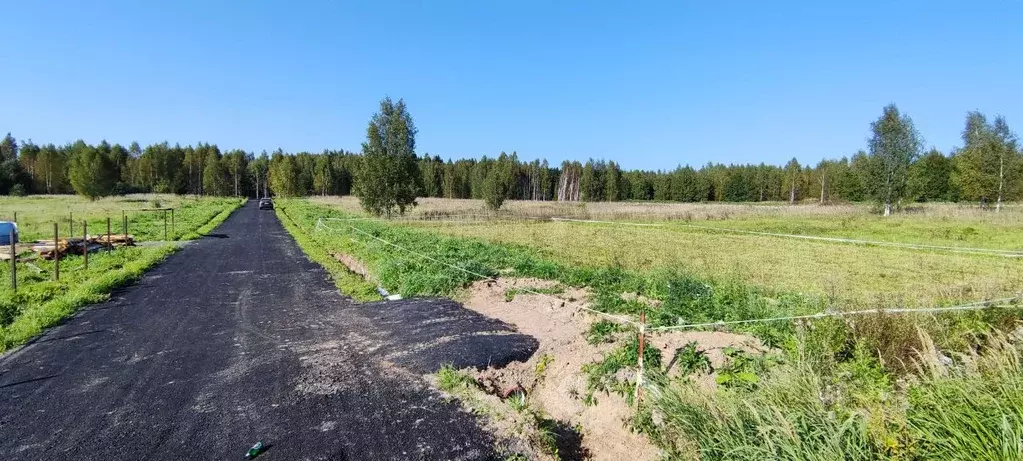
616	372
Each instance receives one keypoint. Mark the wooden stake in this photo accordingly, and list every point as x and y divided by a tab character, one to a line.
14	265
56	254
85	242
110	244
165	224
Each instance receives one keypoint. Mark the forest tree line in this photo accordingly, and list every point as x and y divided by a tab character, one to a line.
988	168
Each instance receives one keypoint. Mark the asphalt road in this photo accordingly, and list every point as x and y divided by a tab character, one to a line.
239	338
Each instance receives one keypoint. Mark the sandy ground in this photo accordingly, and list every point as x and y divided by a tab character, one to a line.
559	325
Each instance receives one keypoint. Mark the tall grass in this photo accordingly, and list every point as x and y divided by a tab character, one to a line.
971	410
788	417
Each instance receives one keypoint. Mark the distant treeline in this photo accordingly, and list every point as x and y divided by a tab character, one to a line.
986	167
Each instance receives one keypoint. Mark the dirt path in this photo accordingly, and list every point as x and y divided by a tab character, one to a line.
239	338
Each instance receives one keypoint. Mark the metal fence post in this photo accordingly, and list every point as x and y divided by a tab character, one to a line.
85	242
110	244
172	220
14	264
165	224
56	254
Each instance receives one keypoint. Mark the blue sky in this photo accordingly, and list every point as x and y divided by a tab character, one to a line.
648	84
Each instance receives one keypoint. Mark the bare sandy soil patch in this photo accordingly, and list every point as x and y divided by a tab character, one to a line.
552	378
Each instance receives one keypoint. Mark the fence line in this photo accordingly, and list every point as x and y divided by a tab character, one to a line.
912	246
482	276
976	305
463	218
641	325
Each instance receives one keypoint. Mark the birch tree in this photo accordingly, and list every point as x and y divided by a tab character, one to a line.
986	163
390	177
894	145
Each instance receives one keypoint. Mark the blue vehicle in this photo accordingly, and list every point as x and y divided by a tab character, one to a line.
5	232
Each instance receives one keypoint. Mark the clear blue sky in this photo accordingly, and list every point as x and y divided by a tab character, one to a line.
649	85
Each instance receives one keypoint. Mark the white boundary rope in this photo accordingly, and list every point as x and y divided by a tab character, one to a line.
469	218
482	277
912	246
977	305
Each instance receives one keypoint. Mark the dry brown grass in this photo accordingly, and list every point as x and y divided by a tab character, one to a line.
667	211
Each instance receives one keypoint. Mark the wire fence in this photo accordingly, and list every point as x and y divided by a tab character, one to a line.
1009	302
881	243
640	323
479	276
487	219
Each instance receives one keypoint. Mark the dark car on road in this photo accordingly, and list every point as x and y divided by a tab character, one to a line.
266	204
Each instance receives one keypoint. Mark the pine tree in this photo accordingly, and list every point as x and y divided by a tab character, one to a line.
8	148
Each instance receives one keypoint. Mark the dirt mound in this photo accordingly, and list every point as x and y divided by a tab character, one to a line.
552	377
353	265
713	345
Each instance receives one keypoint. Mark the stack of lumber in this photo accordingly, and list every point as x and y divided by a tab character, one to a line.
19	250
126	240
48	250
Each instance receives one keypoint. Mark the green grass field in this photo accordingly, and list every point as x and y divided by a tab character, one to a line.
37	214
910	386
854	275
40	302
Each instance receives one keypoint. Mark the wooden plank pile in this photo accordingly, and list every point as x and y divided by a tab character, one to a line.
5	252
46	249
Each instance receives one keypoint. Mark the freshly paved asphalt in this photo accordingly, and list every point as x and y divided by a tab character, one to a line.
238	338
